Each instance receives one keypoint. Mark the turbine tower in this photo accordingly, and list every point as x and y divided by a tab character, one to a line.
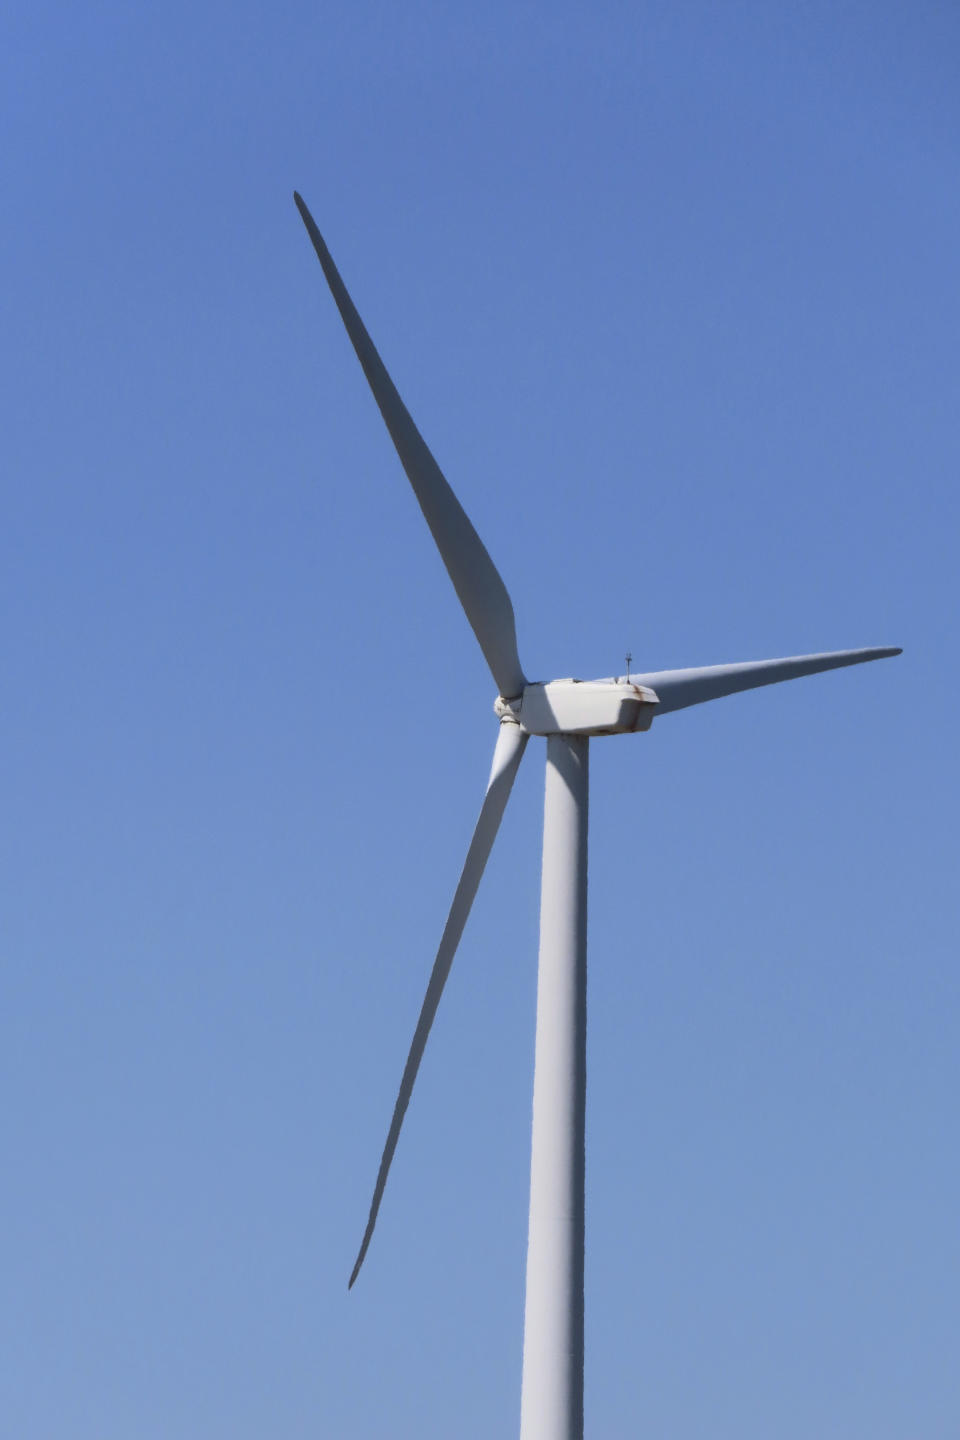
568	713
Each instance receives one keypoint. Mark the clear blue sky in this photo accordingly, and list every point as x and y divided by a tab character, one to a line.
672	292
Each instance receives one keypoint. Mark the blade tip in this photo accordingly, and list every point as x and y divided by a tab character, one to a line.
358	1262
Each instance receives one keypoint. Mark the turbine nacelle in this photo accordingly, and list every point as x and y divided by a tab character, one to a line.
581	707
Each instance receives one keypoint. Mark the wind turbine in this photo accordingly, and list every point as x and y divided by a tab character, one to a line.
568	713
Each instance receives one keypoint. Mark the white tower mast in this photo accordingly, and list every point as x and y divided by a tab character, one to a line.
551	1406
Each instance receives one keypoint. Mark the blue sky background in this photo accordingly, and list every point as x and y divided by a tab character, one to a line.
672	291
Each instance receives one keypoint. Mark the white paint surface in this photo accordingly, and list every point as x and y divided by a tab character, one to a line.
552	1395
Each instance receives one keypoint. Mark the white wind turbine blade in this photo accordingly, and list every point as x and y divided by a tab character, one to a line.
511	743
476	580
676	689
